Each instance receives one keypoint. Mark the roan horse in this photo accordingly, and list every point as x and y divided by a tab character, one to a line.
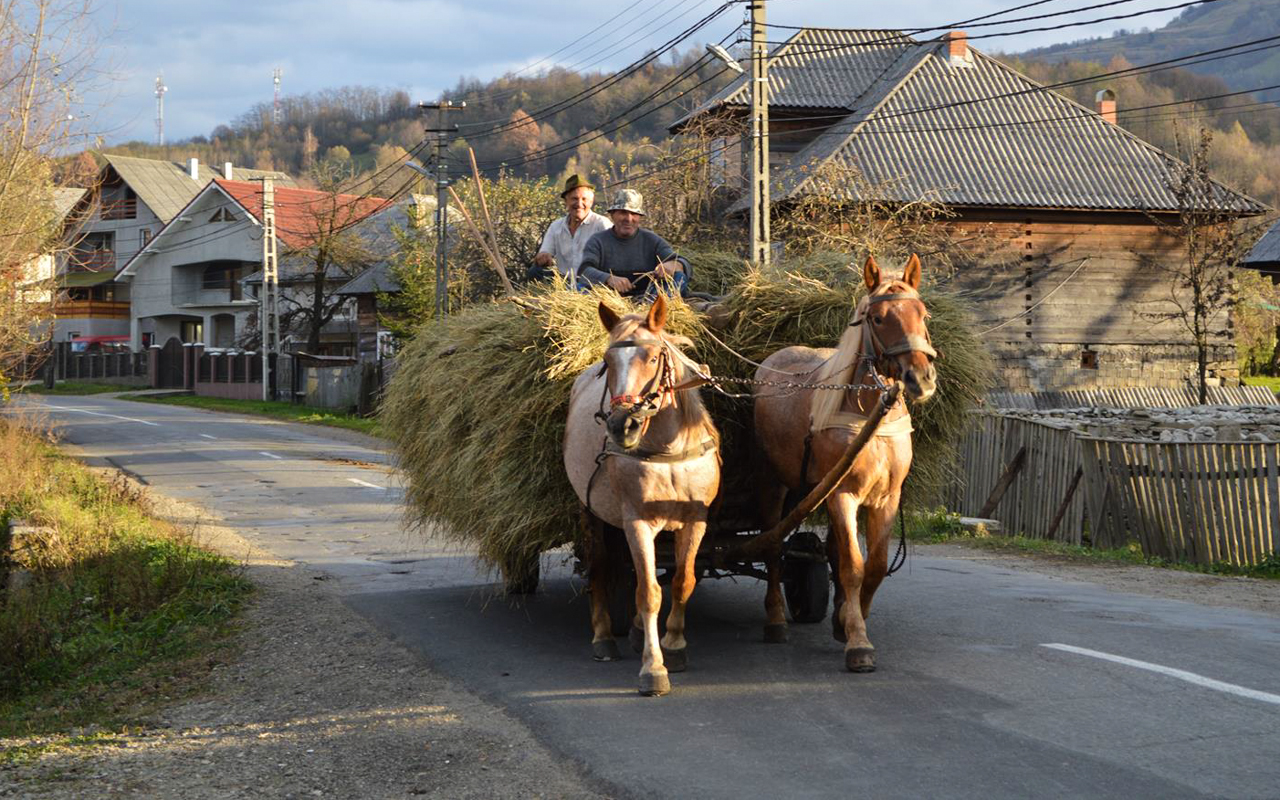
656	467
803	435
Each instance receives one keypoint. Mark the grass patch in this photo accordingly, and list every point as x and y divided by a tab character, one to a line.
75	388
269	408
114	610
1262	380
939	527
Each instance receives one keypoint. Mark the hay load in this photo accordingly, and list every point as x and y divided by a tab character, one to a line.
477	407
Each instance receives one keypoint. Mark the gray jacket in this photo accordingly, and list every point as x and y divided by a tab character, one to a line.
606	255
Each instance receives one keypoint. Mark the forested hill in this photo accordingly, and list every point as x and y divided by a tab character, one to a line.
539	124
1195	30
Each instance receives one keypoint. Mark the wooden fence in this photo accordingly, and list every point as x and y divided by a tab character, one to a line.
1207	502
1184	397
1025	474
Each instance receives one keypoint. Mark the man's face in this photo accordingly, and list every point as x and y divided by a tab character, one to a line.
577	204
625	223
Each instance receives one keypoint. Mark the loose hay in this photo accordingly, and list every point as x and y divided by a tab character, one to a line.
478	404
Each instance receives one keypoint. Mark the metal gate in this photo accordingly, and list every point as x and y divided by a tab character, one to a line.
171	356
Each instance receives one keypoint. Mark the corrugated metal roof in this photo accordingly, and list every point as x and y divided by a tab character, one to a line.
1267	250
377	278
166	186
65	199
982	134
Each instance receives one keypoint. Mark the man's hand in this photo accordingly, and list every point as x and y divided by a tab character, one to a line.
619	284
666	269
544	260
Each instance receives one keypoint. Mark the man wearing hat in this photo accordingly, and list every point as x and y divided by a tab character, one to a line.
634	261
566	237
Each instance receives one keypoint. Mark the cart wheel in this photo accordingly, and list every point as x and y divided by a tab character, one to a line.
522	577
806	582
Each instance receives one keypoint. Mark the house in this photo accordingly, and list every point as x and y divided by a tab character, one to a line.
1265	255
1068	288
372	337
195	280
131	200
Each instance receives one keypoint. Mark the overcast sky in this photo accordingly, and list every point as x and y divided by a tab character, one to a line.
217	58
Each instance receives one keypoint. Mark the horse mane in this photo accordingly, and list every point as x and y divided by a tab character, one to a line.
841	366
692	412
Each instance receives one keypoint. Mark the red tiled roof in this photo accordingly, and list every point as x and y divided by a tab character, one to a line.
302	215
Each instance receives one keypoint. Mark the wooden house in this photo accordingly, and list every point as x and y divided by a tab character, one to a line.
1070	287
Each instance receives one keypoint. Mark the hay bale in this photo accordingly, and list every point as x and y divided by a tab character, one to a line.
477	407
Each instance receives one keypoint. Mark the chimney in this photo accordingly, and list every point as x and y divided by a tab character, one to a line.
958	49
1105	104
226	170
193	168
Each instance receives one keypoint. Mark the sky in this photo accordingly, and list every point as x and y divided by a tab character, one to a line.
217	58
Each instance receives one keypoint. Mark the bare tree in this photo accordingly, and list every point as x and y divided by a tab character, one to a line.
1208	232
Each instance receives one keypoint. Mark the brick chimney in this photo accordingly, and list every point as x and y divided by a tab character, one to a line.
958	49
226	170
1105	104
193	168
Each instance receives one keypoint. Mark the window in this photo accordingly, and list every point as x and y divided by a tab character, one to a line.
147	339
193	332
144	236
222	215
223	275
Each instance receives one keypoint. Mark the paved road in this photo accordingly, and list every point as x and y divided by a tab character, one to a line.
992	682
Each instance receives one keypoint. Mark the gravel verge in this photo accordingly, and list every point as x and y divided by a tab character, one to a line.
308	700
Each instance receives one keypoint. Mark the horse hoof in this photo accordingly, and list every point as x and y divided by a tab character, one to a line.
605	650
637	639
675	660
860	659
655	684
775	633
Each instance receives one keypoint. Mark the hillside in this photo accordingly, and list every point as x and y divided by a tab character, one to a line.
1195	30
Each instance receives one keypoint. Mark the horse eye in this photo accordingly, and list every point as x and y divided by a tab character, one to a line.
878	320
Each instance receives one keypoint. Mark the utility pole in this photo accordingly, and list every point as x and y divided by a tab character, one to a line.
276	74
160	90
442	132
760	244
270	312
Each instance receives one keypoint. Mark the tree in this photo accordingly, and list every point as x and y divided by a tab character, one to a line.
43	52
1212	245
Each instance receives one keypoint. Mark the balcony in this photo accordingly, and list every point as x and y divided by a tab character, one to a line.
123	208
92	261
92	309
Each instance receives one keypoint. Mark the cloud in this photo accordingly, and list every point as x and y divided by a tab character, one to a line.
217	59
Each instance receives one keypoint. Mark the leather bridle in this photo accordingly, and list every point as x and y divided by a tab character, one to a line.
875	351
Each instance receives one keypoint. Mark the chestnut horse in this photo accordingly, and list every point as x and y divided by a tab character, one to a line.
655	467
803	435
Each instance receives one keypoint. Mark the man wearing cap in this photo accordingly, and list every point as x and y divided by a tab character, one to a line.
566	237
633	261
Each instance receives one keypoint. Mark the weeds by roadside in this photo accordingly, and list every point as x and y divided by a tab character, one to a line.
940	526
73	388
265	408
106	609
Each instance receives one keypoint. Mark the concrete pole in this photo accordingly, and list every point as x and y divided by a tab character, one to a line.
269	322
759	137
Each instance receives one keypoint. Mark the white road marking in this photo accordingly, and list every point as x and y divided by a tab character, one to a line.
102	414
207	436
1182	675
270	455
359	482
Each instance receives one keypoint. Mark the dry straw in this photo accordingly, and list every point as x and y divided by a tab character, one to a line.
478	405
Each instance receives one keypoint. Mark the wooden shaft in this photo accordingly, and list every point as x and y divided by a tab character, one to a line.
484	209
758	546
475	231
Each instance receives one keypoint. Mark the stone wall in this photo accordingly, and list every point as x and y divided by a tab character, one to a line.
1043	366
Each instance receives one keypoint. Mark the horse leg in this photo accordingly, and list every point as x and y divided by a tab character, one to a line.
859	655
879	532
653	672
600	577
773	497
688	539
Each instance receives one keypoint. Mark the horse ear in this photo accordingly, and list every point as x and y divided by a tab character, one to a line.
911	272
871	273
608	317
658	313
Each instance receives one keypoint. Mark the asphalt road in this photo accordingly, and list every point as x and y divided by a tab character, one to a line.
992	682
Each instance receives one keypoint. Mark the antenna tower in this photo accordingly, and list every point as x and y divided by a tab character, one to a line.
275	108
160	90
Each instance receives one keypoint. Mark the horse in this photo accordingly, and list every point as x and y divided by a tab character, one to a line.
655	468
801	435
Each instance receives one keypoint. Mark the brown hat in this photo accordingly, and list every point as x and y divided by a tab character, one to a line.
576	181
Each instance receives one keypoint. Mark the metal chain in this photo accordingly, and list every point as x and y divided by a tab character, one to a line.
879	385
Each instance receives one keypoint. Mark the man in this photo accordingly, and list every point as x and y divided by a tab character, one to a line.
631	260
566	237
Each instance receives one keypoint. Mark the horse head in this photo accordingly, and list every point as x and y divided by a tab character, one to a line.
640	371
895	334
